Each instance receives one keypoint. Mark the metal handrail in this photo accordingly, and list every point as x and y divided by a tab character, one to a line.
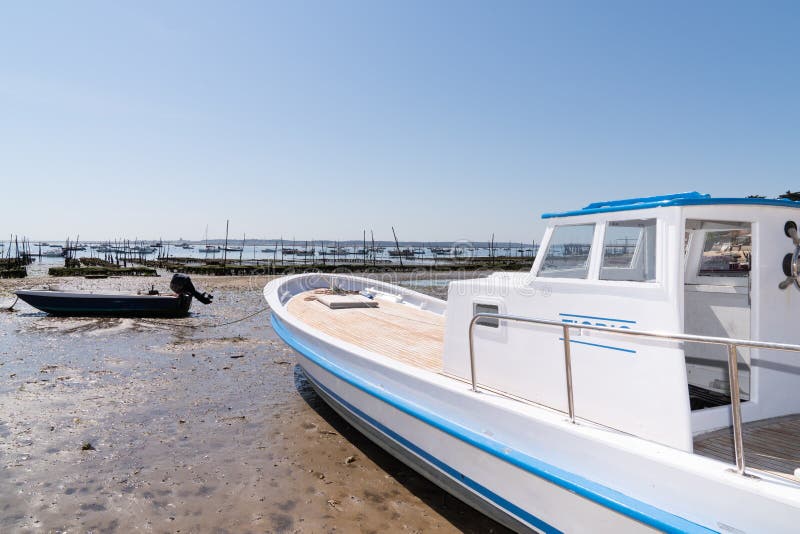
731	344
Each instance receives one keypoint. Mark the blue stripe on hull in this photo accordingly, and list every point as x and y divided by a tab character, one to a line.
610	498
597	345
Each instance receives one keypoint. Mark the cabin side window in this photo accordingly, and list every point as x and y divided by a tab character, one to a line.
629	251
726	248
726	253
568	252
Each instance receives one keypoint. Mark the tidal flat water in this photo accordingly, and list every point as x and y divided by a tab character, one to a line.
119	425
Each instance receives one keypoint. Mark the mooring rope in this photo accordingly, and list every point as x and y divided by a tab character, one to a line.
16	298
217	325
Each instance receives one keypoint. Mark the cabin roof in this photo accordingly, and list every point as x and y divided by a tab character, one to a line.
692	198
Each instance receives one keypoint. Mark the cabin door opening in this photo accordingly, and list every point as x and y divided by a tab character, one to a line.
716	303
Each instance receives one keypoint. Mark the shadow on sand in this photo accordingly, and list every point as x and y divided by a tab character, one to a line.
460	515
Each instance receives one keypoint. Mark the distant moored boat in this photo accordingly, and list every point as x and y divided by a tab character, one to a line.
148	304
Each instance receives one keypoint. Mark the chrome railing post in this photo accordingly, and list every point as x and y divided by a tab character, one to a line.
568	367
736	408
472	354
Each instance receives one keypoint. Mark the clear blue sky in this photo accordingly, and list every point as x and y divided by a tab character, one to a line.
447	120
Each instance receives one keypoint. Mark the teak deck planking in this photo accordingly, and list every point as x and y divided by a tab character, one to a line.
771	445
399	331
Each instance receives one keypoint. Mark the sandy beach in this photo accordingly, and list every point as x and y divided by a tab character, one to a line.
118	425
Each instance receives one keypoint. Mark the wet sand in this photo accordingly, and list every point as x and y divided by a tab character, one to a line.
141	425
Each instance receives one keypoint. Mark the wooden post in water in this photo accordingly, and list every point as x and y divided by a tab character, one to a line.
225	248
372	238
397	245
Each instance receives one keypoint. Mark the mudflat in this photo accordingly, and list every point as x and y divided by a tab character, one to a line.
182	425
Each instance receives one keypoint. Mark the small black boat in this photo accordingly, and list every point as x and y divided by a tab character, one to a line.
150	304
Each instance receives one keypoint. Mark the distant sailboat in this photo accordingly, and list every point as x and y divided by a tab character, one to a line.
209	249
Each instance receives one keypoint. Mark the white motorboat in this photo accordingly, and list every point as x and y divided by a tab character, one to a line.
615	387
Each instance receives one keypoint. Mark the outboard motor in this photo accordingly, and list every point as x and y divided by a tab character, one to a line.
182	285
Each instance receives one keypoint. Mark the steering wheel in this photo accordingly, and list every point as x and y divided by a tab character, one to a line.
791	262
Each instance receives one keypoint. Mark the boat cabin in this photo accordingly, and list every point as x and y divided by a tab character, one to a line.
684	263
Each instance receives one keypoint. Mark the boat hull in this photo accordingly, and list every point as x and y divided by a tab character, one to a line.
78	304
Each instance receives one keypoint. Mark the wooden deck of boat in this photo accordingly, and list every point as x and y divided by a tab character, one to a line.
396	330
771	445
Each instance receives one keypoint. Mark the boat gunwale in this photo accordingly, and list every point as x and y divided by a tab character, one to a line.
90	295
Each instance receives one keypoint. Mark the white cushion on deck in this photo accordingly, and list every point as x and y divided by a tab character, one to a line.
346	301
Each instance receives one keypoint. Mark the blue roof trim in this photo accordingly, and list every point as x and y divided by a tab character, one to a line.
692	198
605	496
627	201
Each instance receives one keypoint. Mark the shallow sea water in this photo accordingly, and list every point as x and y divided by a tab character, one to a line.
118	425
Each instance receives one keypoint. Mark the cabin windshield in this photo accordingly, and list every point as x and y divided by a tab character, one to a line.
568	252
629	251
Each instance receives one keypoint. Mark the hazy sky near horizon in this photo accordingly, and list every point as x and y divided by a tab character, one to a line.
448	120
